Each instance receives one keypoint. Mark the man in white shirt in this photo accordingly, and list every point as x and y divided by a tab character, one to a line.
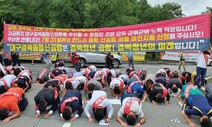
42	76
93	84
130	109
125	78
101	106
130	59
26	73
101	75
5	82
108	74
83	81
201	69
86	72
117	86
174	87
74	83
92	68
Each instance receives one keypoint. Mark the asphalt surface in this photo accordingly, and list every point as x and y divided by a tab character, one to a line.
156	116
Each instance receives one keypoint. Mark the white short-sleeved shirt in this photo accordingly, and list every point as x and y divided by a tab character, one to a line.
8	78
75	82
201	62
92	68
85	71
8	68
25	73
113	72
135	107
106	70
77	74
99	74
81	79
124	76
116	81
105	103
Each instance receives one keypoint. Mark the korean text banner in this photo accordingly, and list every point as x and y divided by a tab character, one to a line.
190	33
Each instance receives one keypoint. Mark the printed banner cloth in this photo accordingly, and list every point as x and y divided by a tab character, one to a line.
190	33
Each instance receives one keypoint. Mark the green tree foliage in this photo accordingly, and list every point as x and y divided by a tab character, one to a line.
84	13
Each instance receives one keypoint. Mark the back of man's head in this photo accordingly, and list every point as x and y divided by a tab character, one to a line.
159	99
21	82
109	74
175	89
56	72
3	113
175	74
91	86
131	119
117	90
66	114
2	89
148	85
129	69
99	114
16	71
161	80
187	76
206	52
1	74
140	95
42	105
149	82
206	122
68	85
41	80
160	75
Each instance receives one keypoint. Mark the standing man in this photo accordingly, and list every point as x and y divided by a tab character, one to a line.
130	59
46	59
75	61
182	61
201	69
15	58
7	59
109	60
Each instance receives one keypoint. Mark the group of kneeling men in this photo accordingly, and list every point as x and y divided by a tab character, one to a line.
134	87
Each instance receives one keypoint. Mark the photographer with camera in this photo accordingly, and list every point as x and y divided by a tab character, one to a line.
109	60
74	60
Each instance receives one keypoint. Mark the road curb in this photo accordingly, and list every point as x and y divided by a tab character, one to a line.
161	62
208	78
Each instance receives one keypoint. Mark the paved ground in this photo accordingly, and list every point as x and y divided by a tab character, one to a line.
156	116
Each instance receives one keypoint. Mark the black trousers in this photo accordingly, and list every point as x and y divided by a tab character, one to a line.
16	61
23	103
7	62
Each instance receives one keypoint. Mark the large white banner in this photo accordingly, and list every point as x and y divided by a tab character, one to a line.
174	55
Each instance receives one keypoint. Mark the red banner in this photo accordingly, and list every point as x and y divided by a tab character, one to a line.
194	32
